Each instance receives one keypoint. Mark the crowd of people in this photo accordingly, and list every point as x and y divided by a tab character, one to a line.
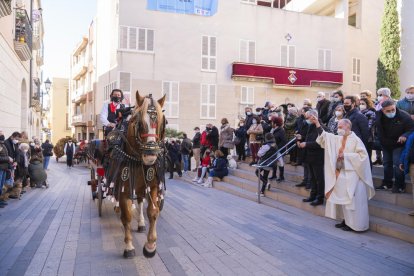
23	164
383	126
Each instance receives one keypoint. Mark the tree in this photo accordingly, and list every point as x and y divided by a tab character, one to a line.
389	58
172	133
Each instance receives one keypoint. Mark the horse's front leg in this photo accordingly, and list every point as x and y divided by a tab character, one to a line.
152	213
141	220
126	215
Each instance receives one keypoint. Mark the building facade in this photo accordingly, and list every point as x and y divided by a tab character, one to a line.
60	101
21	58
406	8
82	82
249	52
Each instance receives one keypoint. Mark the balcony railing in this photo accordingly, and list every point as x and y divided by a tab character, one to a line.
79	120
37	41
23	35
5	8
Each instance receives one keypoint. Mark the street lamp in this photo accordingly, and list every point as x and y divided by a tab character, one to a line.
48	84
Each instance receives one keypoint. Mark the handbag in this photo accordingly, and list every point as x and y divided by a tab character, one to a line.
237	140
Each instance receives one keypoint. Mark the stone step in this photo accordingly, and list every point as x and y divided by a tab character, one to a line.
391	212
379	225
404	200
295	174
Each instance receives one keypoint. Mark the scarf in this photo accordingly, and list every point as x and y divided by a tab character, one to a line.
113	107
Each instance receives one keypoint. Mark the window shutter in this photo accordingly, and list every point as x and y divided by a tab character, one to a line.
150	40
292	56
125	81
166	89
243	94
123	37
213	53
243	51
250	98
321	59
141	40
132	38
328	59
283	55
252	52
174	92
204	53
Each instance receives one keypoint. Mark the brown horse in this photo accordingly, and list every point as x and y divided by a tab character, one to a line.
141	173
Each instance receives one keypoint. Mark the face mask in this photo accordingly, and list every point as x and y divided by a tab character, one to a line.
241	125
115	99
362	107
380	98
248	113
335	99
319	99
258	113
308	122
341	132
338	113
254	121
390	115
32	144
410	97
15	141
347	107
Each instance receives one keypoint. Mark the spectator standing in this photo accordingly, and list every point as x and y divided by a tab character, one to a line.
337	99
213	136
247	123
366	94
323	107
383	94
407	103
290	129
196	147
301	125
47	148
226	137
218	169
240	140
69	150
359	121
255	133
280	138
5	162
266	111
333	122
13	150
185	149
307	102
174	153
366	106
394	126
407	162
205	143
267	150
314	158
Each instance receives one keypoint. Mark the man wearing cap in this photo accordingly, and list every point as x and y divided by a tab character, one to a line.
196	147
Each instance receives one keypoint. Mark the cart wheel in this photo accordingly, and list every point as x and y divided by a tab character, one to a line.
100	195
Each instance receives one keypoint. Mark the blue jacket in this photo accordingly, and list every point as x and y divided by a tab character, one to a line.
359	124
405	155
406	105
219	167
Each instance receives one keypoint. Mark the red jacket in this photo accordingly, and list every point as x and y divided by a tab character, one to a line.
204	141
205	162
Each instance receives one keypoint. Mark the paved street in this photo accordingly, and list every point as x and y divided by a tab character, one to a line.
201	231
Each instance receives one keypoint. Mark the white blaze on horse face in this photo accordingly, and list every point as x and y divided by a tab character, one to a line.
150	159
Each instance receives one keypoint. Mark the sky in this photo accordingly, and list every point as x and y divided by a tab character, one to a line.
65	22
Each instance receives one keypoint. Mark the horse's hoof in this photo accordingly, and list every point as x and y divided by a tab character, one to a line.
148	254
141	229
128	254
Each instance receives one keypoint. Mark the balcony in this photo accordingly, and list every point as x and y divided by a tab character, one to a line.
5	8
79	96
285	76
79	70
78	120
23	35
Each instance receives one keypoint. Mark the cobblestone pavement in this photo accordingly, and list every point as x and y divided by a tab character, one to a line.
201	231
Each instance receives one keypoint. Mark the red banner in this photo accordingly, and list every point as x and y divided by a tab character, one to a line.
285	76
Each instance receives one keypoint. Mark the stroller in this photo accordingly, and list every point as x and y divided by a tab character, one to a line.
37	174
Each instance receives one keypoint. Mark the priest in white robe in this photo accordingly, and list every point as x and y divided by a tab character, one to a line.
348	178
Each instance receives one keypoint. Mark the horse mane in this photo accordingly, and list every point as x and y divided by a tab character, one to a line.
143	110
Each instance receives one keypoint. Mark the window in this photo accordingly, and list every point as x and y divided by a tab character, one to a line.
287	55
172	90
356	70
209	53
208	101
108	89
67	121
136	39
246	98
324	59
125	81
247	51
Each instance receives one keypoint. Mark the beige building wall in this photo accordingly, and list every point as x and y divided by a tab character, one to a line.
178	44
59	110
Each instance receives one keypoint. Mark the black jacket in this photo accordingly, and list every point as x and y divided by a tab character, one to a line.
312	153
323	107
213	137
197	140
280	137
4	157
389	130
12	149
186	146
359	124
248	121
241	133
47	149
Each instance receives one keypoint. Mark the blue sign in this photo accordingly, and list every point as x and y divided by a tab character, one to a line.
197	7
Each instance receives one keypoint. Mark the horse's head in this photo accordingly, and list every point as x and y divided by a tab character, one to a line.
148	122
